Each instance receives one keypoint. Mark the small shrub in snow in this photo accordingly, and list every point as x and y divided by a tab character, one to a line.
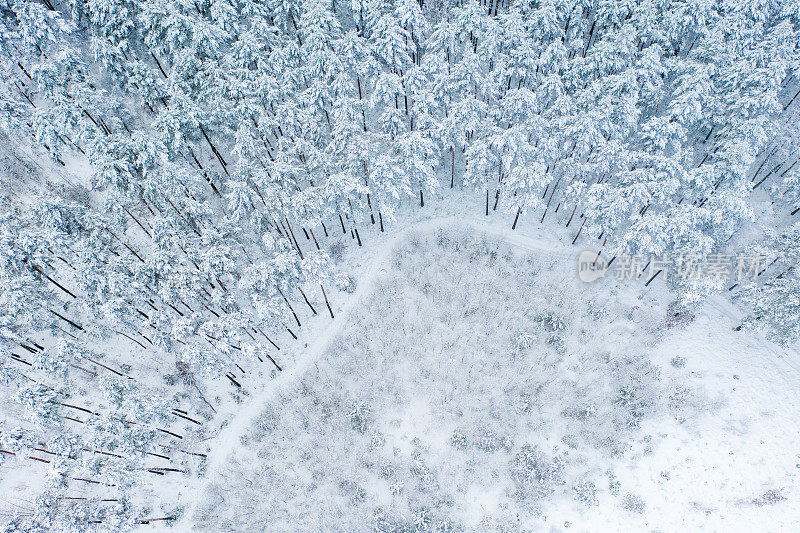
580	413
353	491
770	497
523	340
336	251
550	322
571	441
422	520
378	440
633	503
586	493
344	282
360	416
678	403
534	474
489	441
678	361
522	401
387	471
396	487
425	475
459	440
633	403
558	343
613	484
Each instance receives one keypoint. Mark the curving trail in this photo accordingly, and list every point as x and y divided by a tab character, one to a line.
228	439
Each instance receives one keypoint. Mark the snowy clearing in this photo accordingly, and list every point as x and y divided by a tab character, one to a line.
449	397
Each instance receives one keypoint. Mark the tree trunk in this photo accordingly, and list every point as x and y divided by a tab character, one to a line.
307	302
653	277
327	303
579	231
452	165
572	215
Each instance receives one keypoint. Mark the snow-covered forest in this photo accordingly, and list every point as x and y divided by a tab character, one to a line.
313	265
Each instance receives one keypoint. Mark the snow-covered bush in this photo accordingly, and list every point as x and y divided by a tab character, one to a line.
633	503
535	474
586	493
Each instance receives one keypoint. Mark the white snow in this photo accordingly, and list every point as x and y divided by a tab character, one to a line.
714	447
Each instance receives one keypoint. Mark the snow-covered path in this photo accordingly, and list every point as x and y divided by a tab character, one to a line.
228	440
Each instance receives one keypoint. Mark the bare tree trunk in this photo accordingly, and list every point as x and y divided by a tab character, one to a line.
572	215
306	299
452	165
579	231
327	303
516	218
548	201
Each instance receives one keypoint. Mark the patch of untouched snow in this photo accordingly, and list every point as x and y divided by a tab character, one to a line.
729	471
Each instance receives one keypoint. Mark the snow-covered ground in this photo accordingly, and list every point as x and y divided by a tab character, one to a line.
177	178
472	382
